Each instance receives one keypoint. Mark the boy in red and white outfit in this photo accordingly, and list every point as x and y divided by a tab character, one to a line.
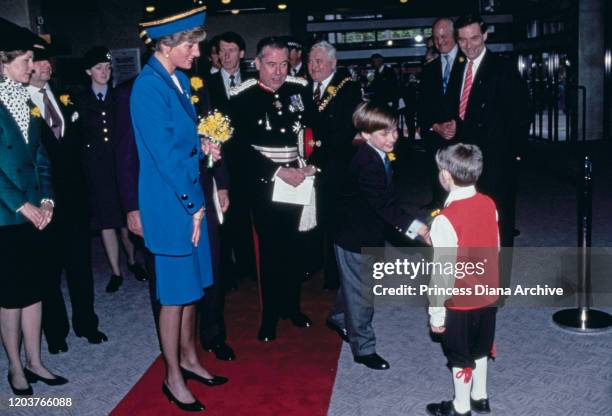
466	229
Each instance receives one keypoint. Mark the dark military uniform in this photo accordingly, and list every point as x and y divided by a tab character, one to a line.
267	126
99	159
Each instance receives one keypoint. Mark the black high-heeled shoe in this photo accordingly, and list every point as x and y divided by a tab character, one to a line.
32	377
19	392
195	406
210	382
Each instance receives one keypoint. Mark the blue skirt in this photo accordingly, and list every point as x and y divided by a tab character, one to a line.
181	280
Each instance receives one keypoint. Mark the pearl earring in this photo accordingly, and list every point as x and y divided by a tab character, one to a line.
166	55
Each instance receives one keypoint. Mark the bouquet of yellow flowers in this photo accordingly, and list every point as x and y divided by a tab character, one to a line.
217	128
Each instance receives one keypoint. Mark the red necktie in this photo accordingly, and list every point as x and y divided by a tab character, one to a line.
465	94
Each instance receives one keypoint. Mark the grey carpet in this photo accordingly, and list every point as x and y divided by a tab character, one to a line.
540	369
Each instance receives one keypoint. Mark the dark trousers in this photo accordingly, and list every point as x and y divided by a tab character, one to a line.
281	260
469	336
433	143
69	249
236	239
212	306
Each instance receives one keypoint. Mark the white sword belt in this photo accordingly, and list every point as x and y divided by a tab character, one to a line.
285	154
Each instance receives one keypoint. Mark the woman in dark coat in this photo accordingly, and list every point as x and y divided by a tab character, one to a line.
97	107
26	208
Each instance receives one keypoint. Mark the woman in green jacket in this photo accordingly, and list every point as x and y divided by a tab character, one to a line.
26	208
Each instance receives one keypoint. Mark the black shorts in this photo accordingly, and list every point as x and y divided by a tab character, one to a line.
469	336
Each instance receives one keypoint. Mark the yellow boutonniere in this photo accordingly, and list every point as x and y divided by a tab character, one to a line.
196	83
391	156
65	99
461	59
35	112
435	213
195	99
331	90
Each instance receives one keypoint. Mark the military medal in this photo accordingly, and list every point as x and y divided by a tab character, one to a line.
296	103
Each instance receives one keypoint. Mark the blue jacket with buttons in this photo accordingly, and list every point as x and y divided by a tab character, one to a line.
165	128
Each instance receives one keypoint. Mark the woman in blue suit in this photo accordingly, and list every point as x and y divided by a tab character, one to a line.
26	208
171	199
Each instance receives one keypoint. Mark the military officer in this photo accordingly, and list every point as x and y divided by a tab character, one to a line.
97	106
269	117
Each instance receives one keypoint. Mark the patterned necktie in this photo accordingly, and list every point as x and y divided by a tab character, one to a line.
100	97
232	83
465	94
446	73
52	119
388	169
316	96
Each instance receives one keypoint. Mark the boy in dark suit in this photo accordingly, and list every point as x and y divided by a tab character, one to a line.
368	204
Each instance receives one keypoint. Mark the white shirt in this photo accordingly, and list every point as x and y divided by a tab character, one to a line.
443	235
226	80
214	70
475	66
451	58
324	84
37	98
295	70
177	82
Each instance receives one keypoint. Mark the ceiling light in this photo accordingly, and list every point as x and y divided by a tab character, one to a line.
226	1
150	9
418	38
389	42
282	6
403	1
235	11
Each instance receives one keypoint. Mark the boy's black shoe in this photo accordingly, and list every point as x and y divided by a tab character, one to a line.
373	361
445	409
480	406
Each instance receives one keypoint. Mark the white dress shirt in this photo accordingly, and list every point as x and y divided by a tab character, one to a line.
37	99
324	84
451	55
475	67
297	69
226	80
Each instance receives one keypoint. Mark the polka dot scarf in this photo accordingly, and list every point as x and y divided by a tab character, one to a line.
15	97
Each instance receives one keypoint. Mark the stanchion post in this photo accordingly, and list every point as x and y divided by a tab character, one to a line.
584	319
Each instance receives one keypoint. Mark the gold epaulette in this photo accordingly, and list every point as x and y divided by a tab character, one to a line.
297	80
242	87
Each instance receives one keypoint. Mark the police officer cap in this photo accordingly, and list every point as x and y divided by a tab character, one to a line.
17	38
292	42
170	17
96	55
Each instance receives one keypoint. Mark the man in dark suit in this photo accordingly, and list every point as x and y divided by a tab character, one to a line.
68	234
383	87
433	110
236	239
335	95
489	101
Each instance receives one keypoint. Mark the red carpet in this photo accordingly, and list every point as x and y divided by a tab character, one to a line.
292	376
